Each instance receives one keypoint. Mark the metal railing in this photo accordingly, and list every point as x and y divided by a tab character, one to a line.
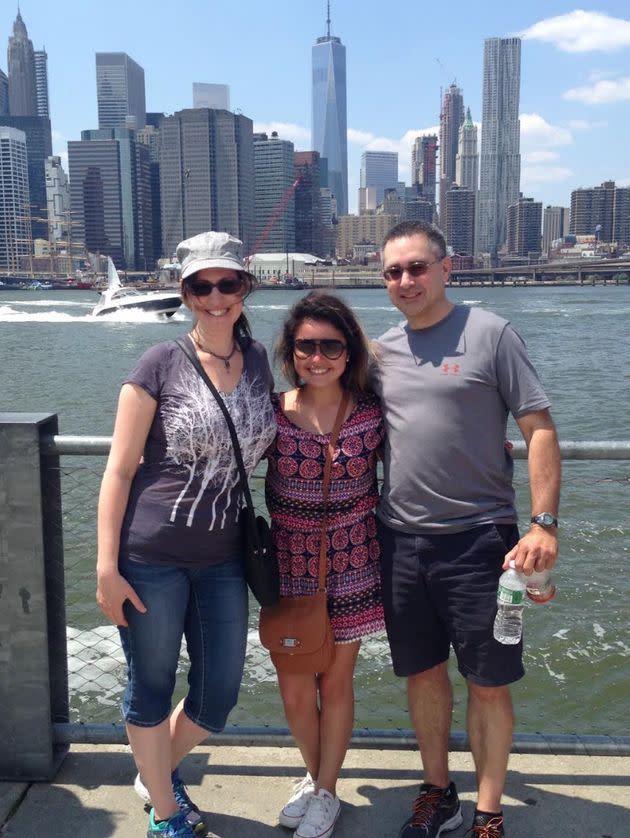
85	667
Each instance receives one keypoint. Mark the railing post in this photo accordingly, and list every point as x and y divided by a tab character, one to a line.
33	663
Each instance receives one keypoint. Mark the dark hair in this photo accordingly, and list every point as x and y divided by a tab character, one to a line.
327	308
418	228
241	330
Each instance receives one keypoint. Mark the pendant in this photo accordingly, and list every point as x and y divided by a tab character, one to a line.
227	364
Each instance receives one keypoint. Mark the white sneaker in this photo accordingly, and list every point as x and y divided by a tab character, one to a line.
321	816
141	790
295	808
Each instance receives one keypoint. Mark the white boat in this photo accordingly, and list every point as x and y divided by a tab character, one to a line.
118	298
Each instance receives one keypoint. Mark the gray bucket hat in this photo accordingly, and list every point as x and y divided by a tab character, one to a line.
211	250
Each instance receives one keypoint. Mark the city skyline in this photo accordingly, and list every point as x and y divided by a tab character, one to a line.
574	94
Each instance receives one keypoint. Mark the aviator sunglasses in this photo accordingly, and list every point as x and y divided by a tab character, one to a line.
414	269
225	285
331	348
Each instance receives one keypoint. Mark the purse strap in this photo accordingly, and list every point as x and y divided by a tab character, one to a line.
194	360
330	453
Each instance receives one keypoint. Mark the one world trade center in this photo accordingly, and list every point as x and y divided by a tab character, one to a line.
329	127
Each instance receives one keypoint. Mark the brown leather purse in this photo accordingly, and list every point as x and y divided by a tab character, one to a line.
297	630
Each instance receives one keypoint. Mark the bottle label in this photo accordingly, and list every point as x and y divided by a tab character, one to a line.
509	597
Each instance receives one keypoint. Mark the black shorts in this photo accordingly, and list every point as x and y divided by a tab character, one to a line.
441	590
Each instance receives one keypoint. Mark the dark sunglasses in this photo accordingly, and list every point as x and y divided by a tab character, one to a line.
414	269
331	348
225	285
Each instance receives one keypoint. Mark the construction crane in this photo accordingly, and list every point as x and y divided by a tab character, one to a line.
282	205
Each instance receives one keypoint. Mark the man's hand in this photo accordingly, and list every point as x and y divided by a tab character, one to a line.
112	592
536	550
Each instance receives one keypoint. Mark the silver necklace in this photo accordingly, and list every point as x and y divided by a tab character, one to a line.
225	358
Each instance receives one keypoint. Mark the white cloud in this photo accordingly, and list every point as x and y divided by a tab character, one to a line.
624	181
581	31
598	75
286	131
602	92
536	132
543	174
359	137
541	156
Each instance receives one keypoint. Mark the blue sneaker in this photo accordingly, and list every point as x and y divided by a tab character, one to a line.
175	827
190	810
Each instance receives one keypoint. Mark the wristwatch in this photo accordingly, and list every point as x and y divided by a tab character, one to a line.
544	519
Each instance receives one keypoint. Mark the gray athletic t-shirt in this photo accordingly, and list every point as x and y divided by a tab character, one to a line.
184	502
446	392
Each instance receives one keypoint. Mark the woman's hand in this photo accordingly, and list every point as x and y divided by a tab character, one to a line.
112	592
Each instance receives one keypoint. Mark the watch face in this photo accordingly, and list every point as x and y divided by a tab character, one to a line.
545	519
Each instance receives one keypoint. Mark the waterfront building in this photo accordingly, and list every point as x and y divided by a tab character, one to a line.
467	161
424	164
211	96
41	83
15	222
458	220
555	226
274	198
119	91
524	220
451	118
206	176
592	211
57	199
329	113
38	147
21	71
358	229
150	136
308	227
328	219
367	199
379	169
418	208
392	203
110	196
621	218
4	93
500	161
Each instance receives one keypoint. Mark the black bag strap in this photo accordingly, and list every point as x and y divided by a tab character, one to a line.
194	360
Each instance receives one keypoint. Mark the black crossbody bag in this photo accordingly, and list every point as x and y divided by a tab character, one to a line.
260	562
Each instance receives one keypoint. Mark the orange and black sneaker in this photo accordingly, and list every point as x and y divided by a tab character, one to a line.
435	811
487	825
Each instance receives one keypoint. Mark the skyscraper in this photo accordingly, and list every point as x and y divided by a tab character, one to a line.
592	211
524	221
621	218
329	113
379	169
4	93
451	118
206	175
58	199
41	83
458	220
21	71
555	226
500	168
424	164
15	224
308	227
119	91
274	206
467	162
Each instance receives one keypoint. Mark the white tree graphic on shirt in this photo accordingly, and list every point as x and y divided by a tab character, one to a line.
198	439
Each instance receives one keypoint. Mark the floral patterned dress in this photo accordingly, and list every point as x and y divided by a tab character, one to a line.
293	490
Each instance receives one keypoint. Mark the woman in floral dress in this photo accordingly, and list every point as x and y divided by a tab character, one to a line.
324	353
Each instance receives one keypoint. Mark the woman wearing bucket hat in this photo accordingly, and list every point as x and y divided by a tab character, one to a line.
169	545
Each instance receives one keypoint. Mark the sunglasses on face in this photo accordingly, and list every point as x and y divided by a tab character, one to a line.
225	285
331	348
414	269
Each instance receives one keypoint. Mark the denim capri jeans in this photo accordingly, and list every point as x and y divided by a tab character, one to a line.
206	605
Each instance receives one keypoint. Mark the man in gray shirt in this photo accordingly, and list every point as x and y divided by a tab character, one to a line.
448	377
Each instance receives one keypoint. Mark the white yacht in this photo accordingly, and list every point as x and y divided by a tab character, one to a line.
118	298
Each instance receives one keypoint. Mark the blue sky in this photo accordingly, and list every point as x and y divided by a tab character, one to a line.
575	72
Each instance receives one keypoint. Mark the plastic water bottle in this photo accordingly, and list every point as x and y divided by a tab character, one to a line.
508	624
540	586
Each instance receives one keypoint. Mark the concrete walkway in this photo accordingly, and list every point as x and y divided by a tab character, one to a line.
243	789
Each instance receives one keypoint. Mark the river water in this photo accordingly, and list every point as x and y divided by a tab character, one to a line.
57	358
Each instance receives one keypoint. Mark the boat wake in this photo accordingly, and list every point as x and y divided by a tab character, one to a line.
9	314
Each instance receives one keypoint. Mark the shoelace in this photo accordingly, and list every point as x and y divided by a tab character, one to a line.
178	827
491	829
181	796
318	812
425	805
